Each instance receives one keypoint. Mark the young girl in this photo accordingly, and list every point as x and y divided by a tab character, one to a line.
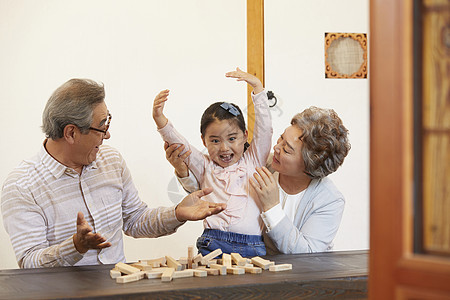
227	168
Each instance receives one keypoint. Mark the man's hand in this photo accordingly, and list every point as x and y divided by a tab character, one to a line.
176	160
158	108
253	81
192	208
266	187
84	239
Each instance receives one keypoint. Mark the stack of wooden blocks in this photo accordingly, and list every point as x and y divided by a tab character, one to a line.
168	268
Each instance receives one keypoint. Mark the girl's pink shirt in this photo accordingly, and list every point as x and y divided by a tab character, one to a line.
231	184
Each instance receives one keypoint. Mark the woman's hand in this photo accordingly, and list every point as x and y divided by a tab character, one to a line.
176	160
253	81
266	187
158	107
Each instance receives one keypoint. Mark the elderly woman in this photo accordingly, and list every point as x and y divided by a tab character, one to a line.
301	207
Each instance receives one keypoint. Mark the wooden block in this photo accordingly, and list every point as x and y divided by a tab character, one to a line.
210	256
238	259
252	270
127	278
154	274
155	263
167	275
183	260
200	273
282	267
158	269
114	273
190	256
235	271
130	277
161	261
172	263
194	265
142	266
226	260
260	262
248	265
198	258
184	273
140	274
204	264
222	269
210	271
209	262
126	269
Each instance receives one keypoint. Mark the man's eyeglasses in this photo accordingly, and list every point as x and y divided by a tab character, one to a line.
107	123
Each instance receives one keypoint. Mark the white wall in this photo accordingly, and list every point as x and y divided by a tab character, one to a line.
295	71
137	48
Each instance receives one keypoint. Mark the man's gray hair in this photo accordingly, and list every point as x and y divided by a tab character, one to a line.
72	103
325	140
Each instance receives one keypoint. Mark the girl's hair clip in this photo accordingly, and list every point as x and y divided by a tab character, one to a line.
230	108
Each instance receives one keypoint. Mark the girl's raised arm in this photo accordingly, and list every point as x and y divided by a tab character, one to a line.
253	81
158	107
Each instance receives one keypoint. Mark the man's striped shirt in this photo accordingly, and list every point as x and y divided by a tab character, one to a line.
41	199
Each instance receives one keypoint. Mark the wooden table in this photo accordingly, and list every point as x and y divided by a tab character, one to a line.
334	274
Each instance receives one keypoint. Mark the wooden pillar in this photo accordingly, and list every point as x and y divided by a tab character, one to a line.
255	53
397	271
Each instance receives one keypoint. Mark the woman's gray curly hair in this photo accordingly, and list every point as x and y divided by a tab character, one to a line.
71	103
325	140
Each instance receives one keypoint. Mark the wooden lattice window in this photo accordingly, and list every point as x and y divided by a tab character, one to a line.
345	55
435	127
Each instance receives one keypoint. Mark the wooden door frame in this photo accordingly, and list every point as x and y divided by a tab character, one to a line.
255	53
395	270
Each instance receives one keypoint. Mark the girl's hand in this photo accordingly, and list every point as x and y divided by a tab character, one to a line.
176	160
253	81
266	187
158	107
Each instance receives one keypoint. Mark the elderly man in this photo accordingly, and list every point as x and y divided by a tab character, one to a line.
69	204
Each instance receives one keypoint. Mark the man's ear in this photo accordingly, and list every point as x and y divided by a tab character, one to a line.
203	139
70	133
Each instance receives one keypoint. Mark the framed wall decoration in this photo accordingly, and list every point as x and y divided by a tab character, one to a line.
345	55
